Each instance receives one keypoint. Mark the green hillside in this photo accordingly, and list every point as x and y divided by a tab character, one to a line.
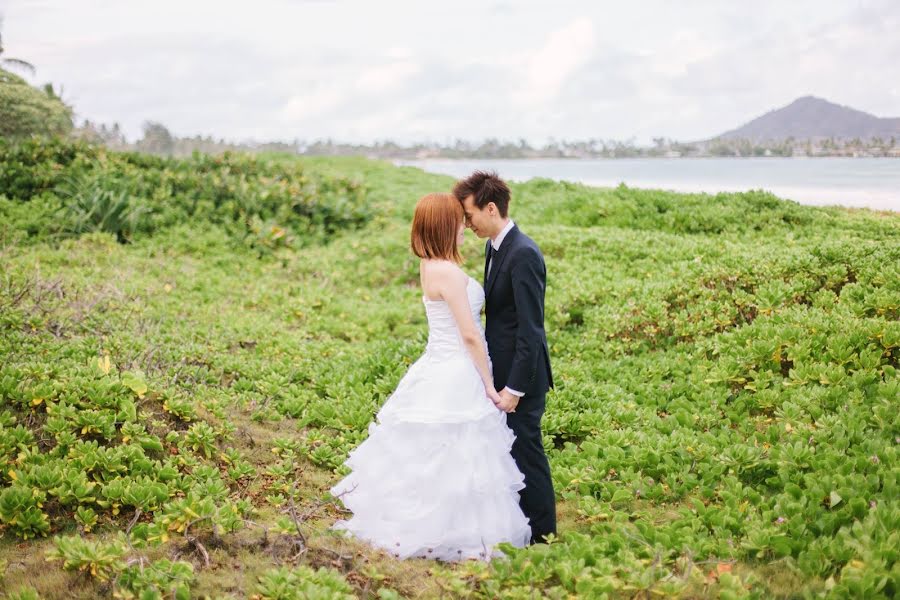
191	347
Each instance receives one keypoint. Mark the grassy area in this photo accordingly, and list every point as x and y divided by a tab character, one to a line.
724	422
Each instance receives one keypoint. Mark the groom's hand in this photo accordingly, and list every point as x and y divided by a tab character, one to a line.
508	401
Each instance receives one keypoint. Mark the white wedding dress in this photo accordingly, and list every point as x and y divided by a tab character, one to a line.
435	478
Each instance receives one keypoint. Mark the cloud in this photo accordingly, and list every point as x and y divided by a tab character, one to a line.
311	104
352	71
399	53
383	78
564	51
847	61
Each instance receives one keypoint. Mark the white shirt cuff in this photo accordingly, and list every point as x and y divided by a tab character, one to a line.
514	392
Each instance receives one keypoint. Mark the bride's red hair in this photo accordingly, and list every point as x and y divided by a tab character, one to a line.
435	224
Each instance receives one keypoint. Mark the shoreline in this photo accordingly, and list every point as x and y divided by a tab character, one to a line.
871	183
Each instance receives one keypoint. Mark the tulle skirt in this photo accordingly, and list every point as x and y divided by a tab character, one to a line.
435	478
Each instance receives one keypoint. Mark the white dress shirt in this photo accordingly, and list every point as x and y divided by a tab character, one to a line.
495	244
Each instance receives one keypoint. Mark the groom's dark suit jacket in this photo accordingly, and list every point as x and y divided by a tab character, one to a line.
514	306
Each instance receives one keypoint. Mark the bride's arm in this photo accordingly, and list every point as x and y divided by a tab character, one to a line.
453	291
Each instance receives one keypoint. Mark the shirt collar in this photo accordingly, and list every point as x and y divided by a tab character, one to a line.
499	239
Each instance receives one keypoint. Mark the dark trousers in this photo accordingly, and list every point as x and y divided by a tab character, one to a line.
537	500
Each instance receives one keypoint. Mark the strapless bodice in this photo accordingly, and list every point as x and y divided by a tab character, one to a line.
443	334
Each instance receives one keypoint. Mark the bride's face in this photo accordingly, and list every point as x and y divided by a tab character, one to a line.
461	234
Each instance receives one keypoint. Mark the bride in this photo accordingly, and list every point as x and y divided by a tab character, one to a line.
435	478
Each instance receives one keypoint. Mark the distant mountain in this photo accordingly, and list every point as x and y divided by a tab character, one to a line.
811	118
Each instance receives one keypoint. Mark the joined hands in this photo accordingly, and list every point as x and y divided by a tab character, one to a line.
503	400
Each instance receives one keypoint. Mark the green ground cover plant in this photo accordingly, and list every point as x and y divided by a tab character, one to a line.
175	401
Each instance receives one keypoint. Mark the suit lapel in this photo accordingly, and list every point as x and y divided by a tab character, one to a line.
487	260
499	256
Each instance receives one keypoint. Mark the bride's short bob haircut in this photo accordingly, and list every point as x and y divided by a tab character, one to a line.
435	226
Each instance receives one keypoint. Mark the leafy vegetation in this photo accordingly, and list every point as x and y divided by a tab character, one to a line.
302	583
173	410
26	111
74	188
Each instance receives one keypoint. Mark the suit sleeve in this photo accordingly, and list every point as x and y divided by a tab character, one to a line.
528	282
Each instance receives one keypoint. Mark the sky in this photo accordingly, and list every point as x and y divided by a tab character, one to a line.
418	71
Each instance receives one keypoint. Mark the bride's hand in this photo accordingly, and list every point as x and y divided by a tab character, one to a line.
493	395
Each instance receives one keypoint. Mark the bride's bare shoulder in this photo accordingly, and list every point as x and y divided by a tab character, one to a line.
443	270
441	267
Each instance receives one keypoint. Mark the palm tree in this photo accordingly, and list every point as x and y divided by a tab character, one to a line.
14	62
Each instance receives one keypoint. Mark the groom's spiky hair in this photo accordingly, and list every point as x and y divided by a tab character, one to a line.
485	186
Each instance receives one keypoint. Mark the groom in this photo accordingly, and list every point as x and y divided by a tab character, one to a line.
514	282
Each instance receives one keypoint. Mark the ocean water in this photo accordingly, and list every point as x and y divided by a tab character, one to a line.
855	182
